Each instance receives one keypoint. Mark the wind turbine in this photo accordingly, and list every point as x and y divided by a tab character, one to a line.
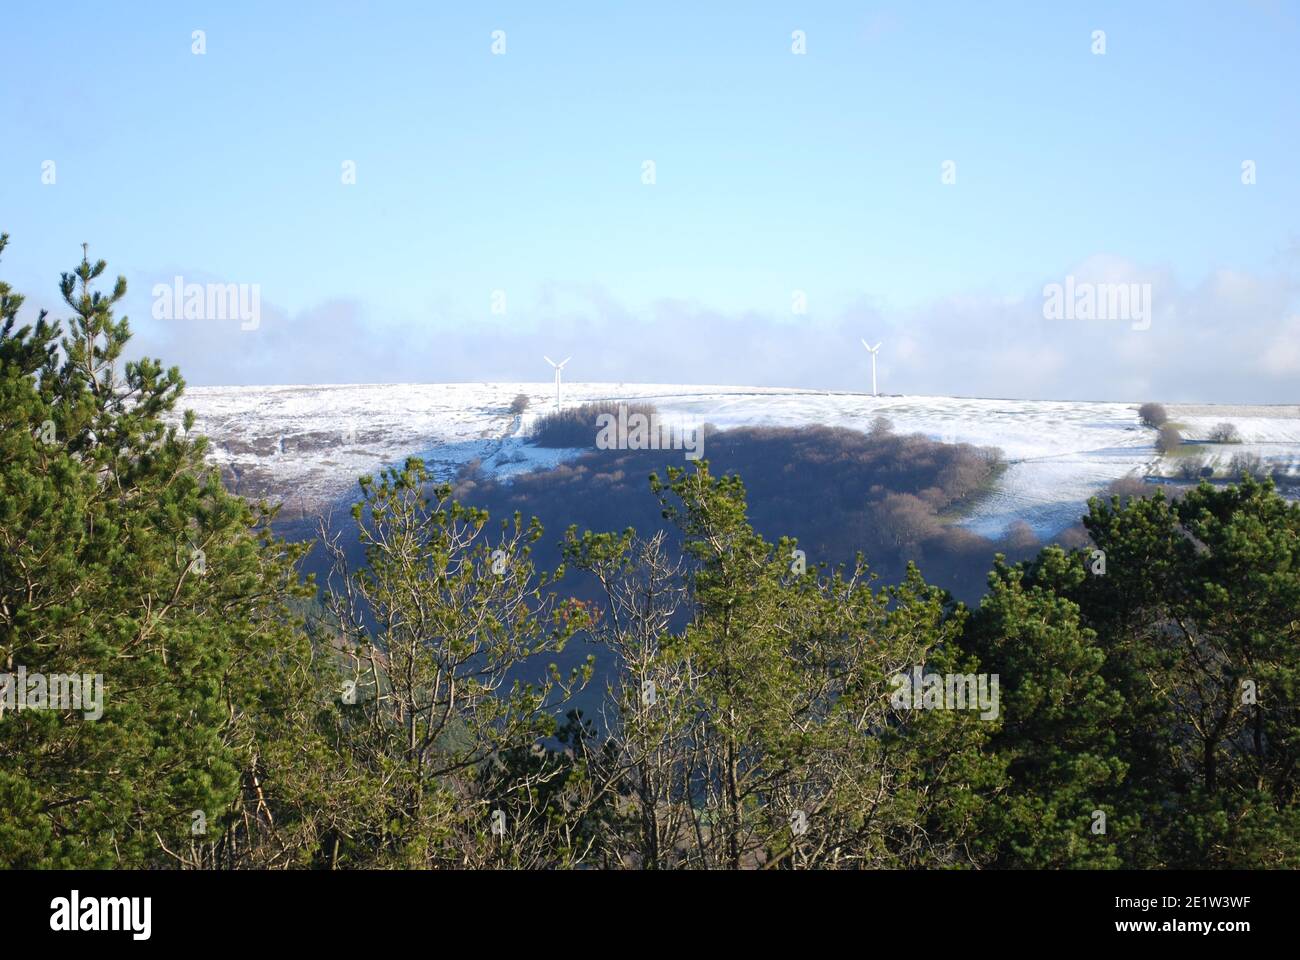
872	350
558	367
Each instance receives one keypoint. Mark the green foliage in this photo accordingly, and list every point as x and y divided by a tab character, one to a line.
1195	616
122	556
436	719
1057	737
775	704
409	714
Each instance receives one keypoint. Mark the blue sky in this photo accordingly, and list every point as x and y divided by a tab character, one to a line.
775	173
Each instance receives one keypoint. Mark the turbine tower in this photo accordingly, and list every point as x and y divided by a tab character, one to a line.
872	350
558	367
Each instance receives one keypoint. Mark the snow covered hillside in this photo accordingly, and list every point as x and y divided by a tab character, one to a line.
306	445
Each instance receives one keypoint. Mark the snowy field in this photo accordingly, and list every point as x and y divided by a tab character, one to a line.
306	445
1269	433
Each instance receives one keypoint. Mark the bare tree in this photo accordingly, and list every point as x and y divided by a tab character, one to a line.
646	768
1168	439
1153	415
1225	433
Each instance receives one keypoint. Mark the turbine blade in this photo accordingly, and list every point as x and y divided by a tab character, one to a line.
549	360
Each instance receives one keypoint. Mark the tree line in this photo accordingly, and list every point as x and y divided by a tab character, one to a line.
405	712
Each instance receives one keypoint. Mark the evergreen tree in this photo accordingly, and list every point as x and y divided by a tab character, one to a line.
1057	738
121	556
795	750
1193	604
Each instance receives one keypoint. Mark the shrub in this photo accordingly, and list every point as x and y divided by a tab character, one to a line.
1020	538
519	404
1153	415
1247	463
1074	538
1127	487
1225	433
1169	440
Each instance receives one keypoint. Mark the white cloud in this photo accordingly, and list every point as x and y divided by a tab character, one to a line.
1281	357
1234	337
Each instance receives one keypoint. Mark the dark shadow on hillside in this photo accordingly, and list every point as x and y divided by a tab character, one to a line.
837	491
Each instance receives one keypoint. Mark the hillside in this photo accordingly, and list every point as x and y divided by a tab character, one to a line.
306	445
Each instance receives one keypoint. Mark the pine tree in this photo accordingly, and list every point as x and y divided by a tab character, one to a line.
795	752
121	556
1192	604
1059	808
